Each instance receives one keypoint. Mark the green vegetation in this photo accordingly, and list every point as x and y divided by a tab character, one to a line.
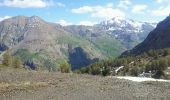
11	61
108	46
50	65
104	44
72	40
65	67
100	68
156	61
16	62
77	41
7	59
35	60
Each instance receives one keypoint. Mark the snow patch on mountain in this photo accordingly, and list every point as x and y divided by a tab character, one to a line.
118	24
128	31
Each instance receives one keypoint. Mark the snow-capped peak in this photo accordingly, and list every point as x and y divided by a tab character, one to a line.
122	22
117	20
119	23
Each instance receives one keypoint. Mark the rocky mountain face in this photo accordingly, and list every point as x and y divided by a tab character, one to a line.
42	43
39	41
106	44
127	31
159	38
30	33
115	35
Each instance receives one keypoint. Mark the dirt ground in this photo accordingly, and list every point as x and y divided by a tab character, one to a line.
31	85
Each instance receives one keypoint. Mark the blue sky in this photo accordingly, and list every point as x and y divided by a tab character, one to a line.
86	12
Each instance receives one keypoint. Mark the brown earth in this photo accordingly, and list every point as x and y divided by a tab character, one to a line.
32	85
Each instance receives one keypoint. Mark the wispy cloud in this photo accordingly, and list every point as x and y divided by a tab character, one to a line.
159	1
63	22
5	17
105	12
124	4
139	8
60	4
161	11
87	23
162	1
26	3
84	9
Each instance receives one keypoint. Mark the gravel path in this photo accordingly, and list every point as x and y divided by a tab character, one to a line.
28	85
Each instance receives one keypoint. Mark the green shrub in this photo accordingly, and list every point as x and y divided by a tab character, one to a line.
65	67
134	71
159	74
106	71
95	70
7	59
16	62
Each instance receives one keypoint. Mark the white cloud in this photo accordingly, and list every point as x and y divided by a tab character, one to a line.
107	12
162	11
26	3
60	4
159	1
109	5
63	22
84	9
87	23
139	8
124	4
104	12
162	1
5	17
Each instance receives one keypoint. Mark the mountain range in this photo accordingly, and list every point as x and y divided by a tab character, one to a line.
159	38
40	43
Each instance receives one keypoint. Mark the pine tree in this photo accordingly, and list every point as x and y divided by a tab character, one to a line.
163	64
16	62
7	59
134	71
95	70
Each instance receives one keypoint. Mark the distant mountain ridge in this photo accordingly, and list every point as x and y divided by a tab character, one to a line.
159	38
128	31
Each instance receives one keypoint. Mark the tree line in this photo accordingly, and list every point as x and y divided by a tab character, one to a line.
156	61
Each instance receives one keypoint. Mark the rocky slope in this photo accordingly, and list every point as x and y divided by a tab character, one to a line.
38	40
115	35
108	46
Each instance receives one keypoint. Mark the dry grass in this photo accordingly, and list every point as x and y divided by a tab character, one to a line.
20	86
33	85
23	85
